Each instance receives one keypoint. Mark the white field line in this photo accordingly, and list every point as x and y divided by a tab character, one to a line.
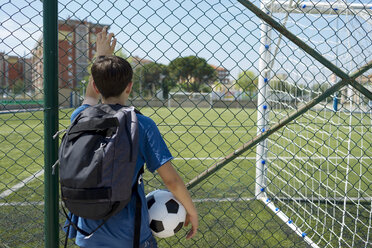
228	199
216	124
210	158
206	131
280	157
20	110
168	132
244	199
21	184
5	132
16	204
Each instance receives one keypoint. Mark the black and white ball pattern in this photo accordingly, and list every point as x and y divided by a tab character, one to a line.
167	215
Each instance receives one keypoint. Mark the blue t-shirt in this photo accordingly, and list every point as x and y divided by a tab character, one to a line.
118	231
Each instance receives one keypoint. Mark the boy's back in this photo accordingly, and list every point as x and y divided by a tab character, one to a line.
112	82
119	229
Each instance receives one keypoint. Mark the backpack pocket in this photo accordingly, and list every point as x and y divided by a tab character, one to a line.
88	203
81	163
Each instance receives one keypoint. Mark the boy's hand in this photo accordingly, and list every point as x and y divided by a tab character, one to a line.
193	219
105	46
105	43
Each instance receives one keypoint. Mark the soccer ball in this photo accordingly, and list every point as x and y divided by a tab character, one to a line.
167	215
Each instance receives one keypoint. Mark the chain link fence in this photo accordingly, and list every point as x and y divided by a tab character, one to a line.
265	105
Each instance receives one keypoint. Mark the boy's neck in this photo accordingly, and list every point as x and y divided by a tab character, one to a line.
115	100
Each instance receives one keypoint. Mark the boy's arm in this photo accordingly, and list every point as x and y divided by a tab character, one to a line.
91	95
175	184
105	46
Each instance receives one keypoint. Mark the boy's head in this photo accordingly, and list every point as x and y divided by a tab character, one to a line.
111	75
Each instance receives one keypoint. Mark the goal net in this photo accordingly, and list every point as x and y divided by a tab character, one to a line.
315	173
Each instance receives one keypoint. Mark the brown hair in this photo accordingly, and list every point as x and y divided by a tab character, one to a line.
111	75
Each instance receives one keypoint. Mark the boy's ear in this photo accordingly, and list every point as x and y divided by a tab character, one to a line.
128	89
95	88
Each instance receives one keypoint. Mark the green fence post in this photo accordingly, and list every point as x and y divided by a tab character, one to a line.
50	55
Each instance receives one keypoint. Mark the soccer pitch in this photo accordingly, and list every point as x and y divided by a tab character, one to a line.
197	138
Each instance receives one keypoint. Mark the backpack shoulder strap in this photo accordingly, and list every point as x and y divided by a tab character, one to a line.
137	218
137	111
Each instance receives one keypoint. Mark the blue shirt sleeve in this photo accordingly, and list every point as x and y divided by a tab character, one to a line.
155	151
78	110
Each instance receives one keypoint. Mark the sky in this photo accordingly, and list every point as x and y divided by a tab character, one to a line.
223	32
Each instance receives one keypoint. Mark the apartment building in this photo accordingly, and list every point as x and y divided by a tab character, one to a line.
76	49
14	69
223	75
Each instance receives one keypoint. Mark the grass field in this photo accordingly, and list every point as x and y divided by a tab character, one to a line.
308	155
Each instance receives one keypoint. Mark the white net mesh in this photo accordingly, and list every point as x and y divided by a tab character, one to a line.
317	166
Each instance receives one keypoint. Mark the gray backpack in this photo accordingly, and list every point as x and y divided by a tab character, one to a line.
97	159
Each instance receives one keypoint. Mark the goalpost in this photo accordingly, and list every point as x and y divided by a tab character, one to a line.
315	173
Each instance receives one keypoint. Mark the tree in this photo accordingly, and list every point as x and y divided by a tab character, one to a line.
120	53
18	87
151	77
192	73
247	81
167	83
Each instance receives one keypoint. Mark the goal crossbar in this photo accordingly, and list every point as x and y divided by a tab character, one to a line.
322	8
329	8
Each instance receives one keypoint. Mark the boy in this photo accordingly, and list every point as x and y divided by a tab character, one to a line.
112	79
